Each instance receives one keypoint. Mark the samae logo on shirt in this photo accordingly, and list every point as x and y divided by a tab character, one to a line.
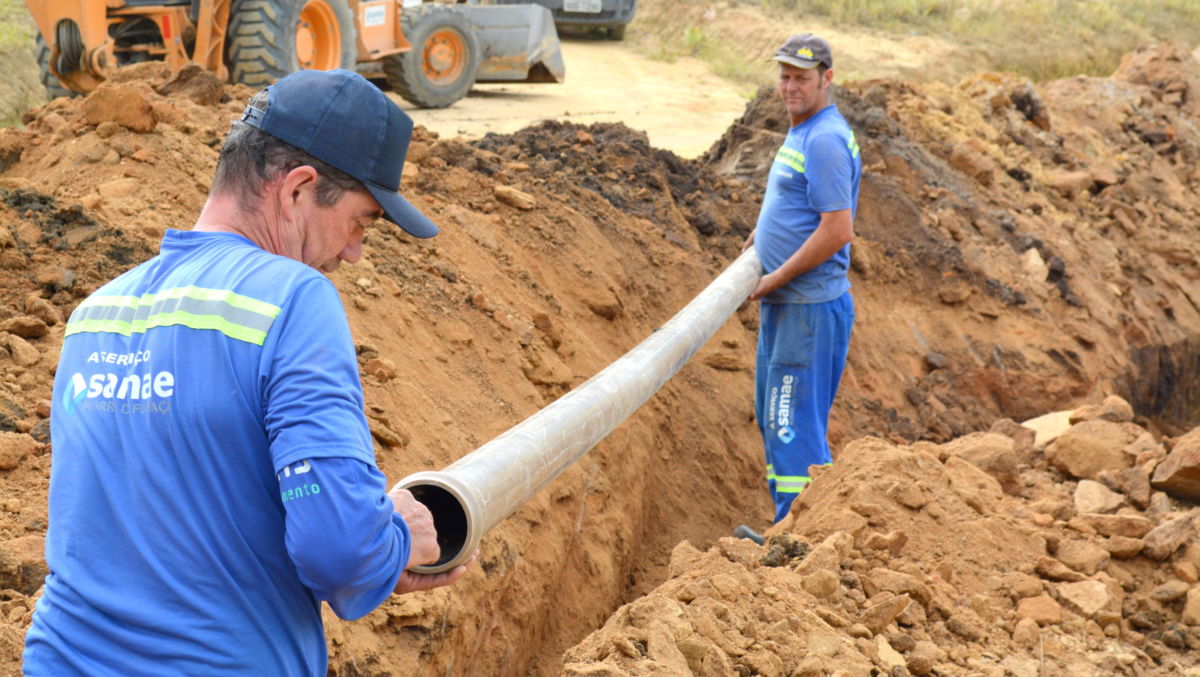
74	393
140	393
129	394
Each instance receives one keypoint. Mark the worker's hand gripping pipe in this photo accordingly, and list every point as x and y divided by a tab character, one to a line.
475	493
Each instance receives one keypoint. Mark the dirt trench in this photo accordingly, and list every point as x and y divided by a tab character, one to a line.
1005	266
1044	238
537	282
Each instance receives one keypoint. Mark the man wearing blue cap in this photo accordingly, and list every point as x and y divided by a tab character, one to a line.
213	477
803	239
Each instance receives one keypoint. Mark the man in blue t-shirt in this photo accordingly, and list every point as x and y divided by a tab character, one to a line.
213	477
803	239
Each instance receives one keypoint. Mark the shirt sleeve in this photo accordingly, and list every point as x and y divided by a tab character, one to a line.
311	393
348	544
830	171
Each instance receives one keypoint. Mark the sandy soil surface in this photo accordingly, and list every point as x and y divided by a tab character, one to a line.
682	106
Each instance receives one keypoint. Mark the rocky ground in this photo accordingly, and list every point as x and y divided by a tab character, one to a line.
1021	249
1048	549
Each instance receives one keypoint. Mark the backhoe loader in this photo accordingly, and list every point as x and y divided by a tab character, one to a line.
428	53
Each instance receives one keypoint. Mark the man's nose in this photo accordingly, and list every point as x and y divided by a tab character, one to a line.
352	252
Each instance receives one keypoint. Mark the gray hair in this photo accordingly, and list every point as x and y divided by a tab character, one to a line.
250	158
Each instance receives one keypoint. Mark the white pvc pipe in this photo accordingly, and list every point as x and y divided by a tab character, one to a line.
476	492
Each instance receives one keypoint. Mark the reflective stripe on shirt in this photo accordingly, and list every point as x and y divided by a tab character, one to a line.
236	316
791	158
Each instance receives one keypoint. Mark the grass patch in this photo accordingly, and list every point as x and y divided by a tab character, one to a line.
20	88
694	38
661	53
16	26
723	62
667	30
1039	39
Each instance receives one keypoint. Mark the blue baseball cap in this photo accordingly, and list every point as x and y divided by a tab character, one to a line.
343	120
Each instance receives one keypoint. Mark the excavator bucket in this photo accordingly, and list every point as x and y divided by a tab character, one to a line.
516	42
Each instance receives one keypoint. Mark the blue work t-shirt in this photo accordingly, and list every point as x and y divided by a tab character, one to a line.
213	476
817	170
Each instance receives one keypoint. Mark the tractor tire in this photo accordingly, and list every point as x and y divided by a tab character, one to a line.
270	38
54	88
441	67
616	32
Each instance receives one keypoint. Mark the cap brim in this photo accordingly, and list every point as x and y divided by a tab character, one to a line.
798	63
400	212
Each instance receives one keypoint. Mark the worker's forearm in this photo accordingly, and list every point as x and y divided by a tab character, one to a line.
348	545
834	232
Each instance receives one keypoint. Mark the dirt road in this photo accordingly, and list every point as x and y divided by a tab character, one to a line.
681	105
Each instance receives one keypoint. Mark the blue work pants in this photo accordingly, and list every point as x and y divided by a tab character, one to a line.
801	354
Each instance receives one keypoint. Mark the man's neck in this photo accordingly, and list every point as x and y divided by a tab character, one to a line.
223	214
798	120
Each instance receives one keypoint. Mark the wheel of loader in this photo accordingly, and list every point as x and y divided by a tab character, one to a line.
54	88
270	38
442	64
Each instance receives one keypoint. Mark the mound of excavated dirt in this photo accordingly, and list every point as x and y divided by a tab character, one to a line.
1021	249
983	556
1019	246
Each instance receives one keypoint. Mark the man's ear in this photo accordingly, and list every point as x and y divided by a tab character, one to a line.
828	77
297	188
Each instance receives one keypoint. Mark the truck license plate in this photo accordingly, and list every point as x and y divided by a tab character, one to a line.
587	6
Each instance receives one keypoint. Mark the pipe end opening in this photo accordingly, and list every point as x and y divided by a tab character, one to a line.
449	519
